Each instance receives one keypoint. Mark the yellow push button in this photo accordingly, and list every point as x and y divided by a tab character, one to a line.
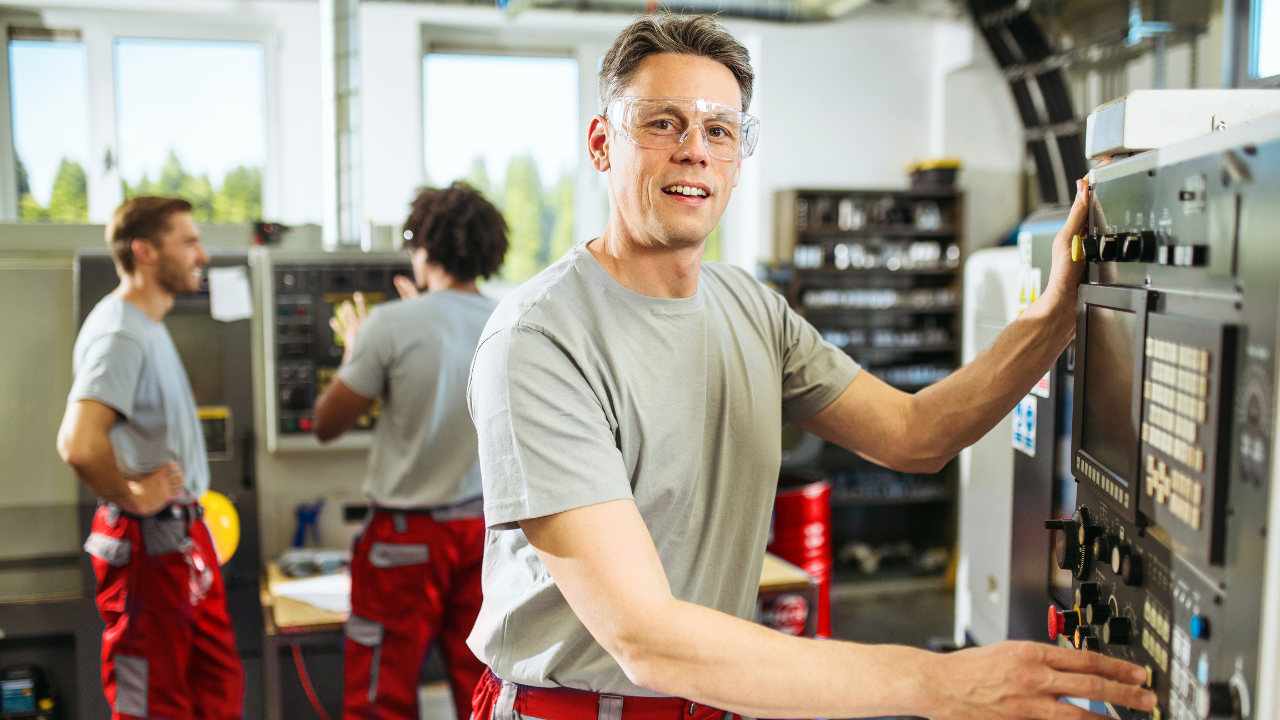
1077	248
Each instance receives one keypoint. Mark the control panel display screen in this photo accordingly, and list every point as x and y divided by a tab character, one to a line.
1108	434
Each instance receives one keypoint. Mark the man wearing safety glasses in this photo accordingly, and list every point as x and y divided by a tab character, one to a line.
629	402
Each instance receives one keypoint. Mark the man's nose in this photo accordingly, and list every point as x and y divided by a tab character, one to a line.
693	144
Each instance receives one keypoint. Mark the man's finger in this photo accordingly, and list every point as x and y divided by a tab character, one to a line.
335	326
361	310
405	287
1075	661
1094	687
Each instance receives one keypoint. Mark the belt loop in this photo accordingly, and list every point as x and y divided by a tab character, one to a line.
401	522
505	706
610	707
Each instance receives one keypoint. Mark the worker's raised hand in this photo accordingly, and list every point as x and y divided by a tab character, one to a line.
346	322
149	494
1067	273
406	288
1016	680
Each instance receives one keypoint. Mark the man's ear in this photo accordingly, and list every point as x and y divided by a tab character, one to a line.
145	252
598	143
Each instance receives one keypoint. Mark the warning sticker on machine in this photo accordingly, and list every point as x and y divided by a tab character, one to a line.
1024	426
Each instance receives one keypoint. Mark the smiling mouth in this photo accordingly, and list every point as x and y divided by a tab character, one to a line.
686	190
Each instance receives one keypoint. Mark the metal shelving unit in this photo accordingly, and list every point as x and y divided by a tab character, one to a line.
878	273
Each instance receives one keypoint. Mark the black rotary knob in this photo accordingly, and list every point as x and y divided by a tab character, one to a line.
1130	248
1118	553
1066	547
1087	533
1108	248
1116	631
1131	569
1102	547
1095	613
1148	246
1215	700
1084	639
1087	593
1090	244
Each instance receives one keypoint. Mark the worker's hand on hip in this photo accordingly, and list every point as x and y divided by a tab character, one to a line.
406	288
150	493
346	322
1011	680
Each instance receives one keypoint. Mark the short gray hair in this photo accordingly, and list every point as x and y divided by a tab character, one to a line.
665	32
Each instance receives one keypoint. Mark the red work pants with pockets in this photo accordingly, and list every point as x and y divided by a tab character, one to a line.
414	580
168	650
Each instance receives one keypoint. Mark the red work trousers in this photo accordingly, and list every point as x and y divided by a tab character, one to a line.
414	580
168	650
496	699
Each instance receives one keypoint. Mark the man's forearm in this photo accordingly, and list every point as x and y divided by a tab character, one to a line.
94	463
690	651
956	412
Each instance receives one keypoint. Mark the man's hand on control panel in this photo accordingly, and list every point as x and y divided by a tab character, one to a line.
346	322
1066	274
1027	680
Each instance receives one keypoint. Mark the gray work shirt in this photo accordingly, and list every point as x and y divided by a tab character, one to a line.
415	355
584	392
127	362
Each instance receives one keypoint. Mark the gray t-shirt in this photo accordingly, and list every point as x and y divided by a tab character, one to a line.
127	362
415	355
584	392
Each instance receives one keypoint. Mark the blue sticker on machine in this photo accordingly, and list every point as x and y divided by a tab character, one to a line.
1024	426
17	696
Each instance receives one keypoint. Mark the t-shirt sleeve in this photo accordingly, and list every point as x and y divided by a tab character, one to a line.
546	443
366	372
109	373
814	372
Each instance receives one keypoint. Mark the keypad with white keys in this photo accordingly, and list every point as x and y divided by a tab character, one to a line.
1176	390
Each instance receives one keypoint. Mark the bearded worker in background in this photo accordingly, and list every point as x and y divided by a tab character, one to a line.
629	402
132	436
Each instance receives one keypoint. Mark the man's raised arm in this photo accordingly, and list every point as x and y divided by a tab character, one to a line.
921	432
603	560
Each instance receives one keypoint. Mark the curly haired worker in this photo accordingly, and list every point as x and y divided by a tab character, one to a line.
415	567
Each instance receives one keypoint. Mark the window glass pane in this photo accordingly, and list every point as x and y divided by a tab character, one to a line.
509	126
1266	38
191	123
49	93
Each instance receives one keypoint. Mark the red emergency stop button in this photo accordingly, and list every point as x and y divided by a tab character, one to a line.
305	424
1062	623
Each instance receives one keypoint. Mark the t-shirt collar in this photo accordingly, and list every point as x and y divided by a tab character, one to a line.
670	306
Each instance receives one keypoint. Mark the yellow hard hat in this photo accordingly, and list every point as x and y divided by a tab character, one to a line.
223	521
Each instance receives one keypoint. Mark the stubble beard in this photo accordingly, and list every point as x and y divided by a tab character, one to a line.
174	277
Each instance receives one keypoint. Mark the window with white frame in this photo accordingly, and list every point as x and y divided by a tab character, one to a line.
508	125
48	91
1266	38
191	123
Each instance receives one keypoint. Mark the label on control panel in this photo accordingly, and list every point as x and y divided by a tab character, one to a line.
1024	426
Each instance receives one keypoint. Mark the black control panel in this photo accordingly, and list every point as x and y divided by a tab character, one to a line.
1172	422
307	351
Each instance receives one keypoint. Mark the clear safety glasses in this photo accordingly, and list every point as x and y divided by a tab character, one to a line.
665	123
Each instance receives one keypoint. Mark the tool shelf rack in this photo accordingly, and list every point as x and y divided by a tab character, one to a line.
897	341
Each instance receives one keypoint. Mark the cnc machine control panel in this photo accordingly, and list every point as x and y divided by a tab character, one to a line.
1172	420
306	351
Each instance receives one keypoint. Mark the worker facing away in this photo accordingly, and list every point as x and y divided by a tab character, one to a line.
132	436
629	402
415	566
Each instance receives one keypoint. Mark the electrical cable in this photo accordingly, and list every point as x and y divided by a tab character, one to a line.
306	682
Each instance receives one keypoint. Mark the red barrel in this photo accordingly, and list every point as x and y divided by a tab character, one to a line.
802	537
